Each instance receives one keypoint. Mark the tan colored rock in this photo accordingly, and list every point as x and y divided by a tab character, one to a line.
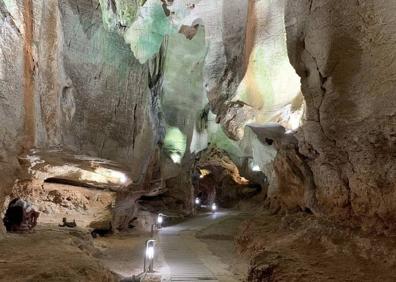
343	51
88	207
219	180
319	249
50	254
66	82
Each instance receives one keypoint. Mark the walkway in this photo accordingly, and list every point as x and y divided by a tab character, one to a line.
186	258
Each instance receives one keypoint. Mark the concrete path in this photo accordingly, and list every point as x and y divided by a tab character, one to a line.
186	258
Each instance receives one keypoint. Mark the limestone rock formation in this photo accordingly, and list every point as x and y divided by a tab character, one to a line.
66	82
219	180
319	249
58	255
342	51
88	208
146	85
60	165
113	111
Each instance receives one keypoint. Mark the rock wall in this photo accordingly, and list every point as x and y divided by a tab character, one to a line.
12	67
270	85
343	52
247	75
225	23
66	82
183	97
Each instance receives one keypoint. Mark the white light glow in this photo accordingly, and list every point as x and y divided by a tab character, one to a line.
160	219
109	175
197	201
201	176
123	178
93	176
176	158
150	252
214	207
256	168
294	122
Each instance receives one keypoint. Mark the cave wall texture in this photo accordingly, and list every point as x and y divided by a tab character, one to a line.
75	74
12	107
67	82
344	53
344	163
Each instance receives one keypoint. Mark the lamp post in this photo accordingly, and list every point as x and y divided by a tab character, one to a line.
160	220
149	256
214	207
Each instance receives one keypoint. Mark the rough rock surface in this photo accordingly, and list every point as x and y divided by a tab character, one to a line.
72	102
220	180
11	46
343	50
301	247
88	207
66	82
291	182
224	22
270	85
61	165
247	74
51	254
181	101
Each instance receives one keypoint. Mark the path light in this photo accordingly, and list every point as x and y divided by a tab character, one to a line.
160	220
214	207
256	168
197	201
150	252
149	256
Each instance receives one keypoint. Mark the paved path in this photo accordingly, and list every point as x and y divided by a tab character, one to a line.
186	258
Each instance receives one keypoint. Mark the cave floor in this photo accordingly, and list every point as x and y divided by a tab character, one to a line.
51	254
208	247
302	247
202	248
199	248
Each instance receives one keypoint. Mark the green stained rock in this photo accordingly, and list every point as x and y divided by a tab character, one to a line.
175	143
256	89
127	11
119	13
109	16
221	140
146	34
183	93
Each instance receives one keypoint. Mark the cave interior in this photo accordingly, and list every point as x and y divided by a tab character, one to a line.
190	140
